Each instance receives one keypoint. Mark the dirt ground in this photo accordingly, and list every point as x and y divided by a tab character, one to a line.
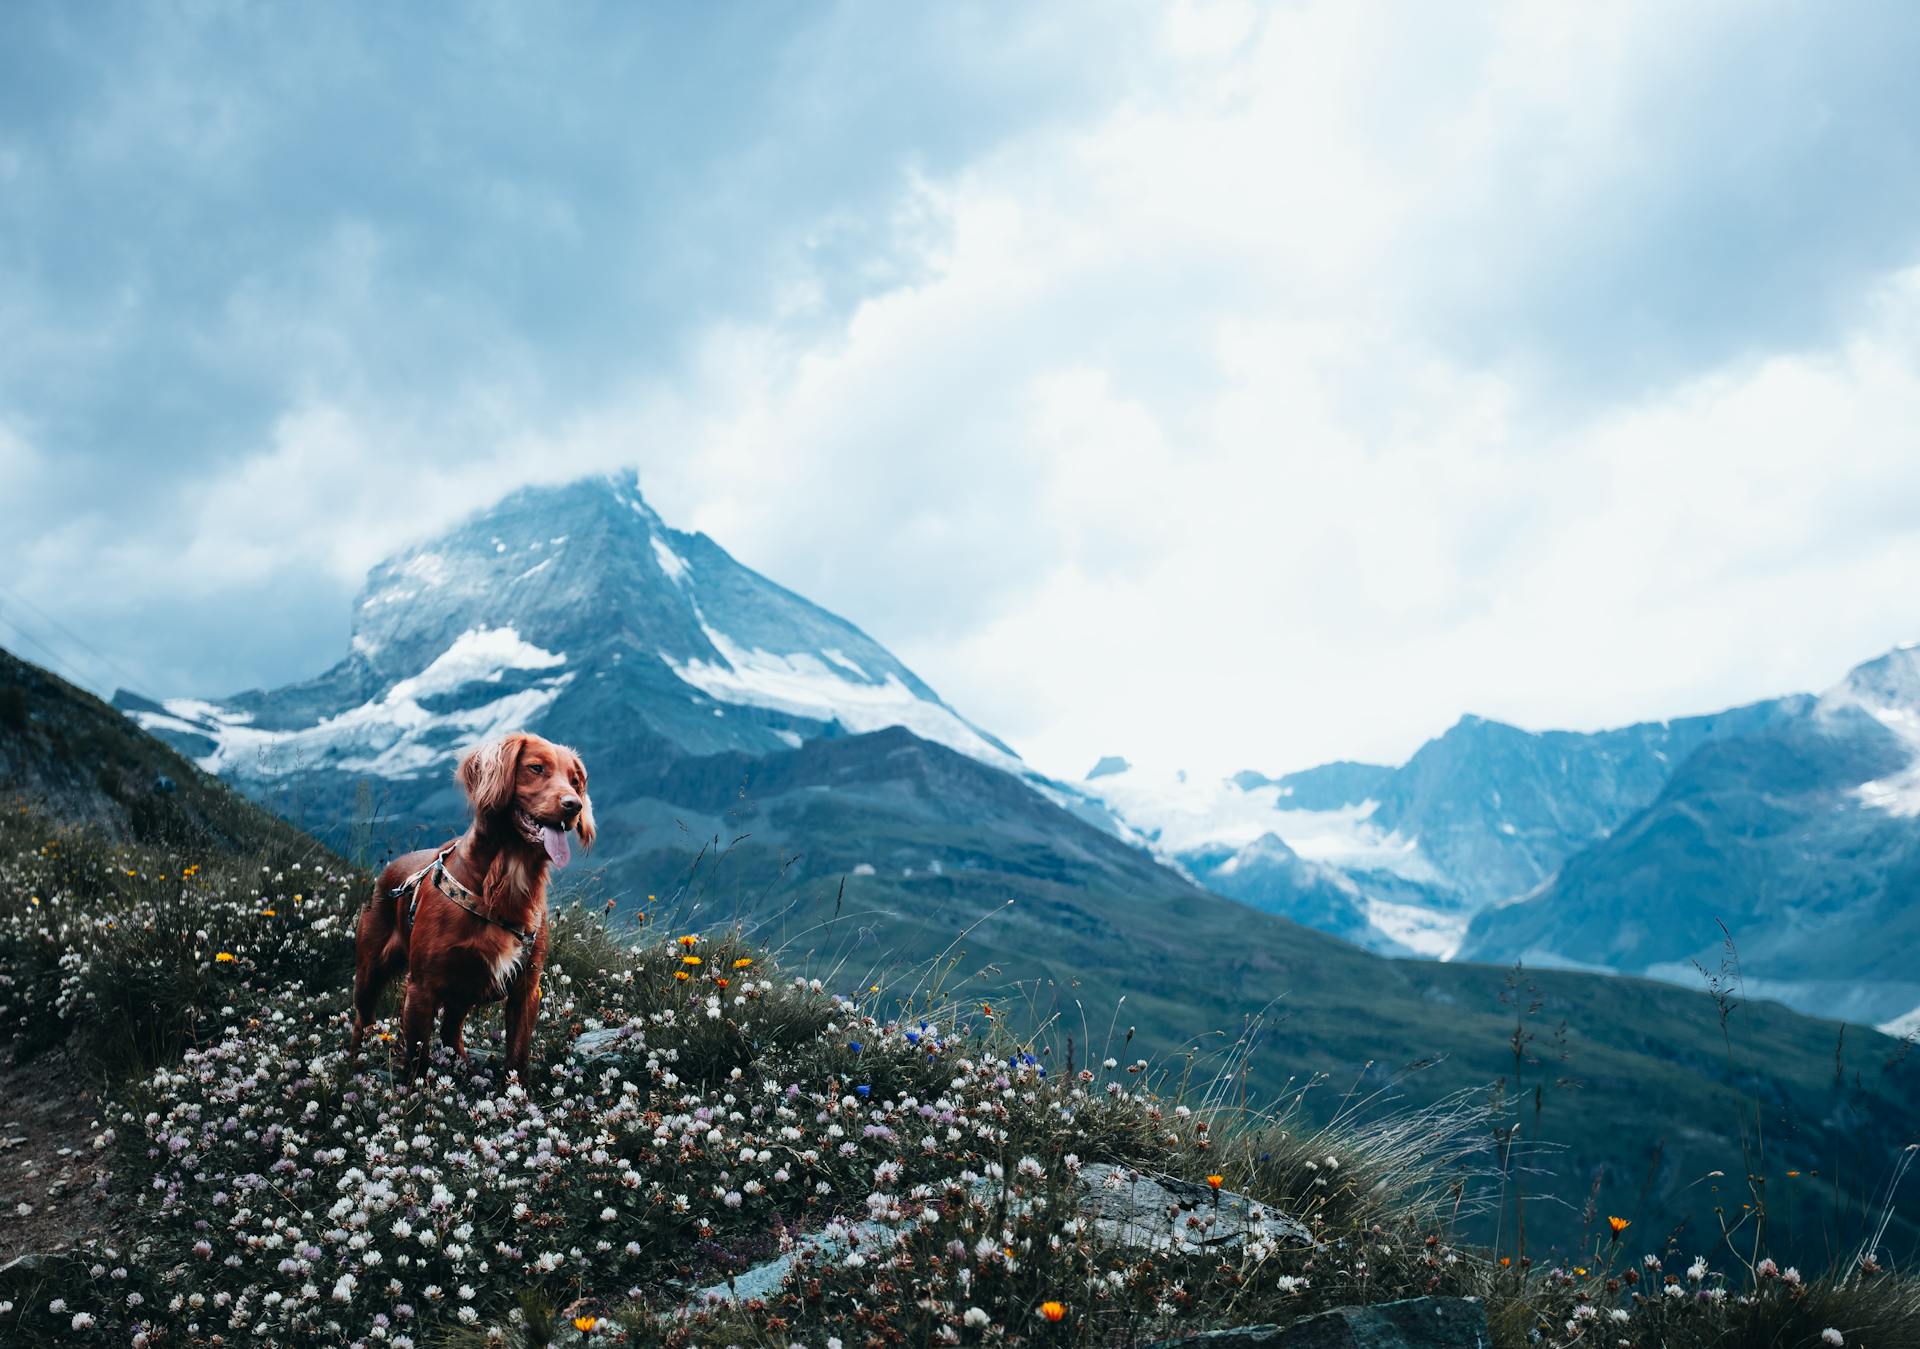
47	1163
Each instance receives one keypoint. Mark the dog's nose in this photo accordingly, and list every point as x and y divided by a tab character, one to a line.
569	806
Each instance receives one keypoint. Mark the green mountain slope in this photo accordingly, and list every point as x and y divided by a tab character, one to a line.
69	756
1036	912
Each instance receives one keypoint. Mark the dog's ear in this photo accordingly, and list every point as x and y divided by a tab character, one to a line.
487	773
583	824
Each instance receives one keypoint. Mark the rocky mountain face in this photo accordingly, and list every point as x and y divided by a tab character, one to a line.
1482	814
576	611
568	604
1498	809
1801	834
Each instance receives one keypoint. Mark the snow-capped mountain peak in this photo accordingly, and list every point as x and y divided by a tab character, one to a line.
557	606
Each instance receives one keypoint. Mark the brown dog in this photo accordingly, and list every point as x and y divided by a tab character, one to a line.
468	921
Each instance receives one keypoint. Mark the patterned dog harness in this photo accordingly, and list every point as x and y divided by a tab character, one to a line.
451	890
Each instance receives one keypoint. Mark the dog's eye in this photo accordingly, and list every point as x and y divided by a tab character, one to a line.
539	770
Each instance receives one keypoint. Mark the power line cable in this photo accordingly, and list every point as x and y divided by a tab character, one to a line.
55	662
132	680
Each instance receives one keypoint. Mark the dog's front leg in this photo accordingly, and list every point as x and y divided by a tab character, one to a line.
523	1004
416	1026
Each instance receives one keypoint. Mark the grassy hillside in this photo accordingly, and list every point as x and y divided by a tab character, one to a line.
261	1189
79	762
1629	1093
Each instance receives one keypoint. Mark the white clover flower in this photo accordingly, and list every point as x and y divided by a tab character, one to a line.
1832	1336
975	1318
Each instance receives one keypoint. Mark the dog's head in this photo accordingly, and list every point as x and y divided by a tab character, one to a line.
524	784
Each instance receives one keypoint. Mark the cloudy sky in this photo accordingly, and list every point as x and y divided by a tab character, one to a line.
1218	384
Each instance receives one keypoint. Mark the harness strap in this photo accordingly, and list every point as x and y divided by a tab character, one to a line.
452	891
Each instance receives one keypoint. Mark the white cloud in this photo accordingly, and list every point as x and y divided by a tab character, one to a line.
1170	454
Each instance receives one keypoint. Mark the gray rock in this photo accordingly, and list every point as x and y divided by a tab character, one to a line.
27	1264
1127	1206
835	1242
1160	1213
1417	1323
608	1043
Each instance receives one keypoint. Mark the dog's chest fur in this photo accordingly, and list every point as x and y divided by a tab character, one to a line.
494	959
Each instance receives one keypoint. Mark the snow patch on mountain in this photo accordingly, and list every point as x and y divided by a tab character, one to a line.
392	736
803	684
1888	690
1181	813
671	563
1902	1026
1425	932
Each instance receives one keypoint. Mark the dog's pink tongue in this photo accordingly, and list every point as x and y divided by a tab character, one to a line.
559	851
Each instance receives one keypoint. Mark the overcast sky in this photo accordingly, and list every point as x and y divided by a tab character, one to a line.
1215	384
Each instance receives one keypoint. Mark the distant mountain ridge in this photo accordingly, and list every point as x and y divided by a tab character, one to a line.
1801	835
1796	820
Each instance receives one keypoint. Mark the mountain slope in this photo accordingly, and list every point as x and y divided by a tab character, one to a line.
1802	836
1497	809
66	756
918	867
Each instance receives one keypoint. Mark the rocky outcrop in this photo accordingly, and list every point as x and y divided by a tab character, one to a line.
1160	1213
1128	1207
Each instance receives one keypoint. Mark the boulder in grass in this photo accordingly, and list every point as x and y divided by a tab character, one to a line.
608	1044
1161	1213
